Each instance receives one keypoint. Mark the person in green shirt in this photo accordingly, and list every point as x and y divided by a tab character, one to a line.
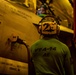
49	55
42	11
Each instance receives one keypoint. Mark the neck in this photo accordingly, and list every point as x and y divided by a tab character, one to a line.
50	36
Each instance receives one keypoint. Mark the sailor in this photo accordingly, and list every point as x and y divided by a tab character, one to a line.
49	55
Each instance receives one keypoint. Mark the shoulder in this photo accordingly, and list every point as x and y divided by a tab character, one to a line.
63	45
65	48
35	43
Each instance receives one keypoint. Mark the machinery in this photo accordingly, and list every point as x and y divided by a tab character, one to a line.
18	31
16	22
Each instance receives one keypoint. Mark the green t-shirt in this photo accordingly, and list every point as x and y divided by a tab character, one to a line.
51	57
42	15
